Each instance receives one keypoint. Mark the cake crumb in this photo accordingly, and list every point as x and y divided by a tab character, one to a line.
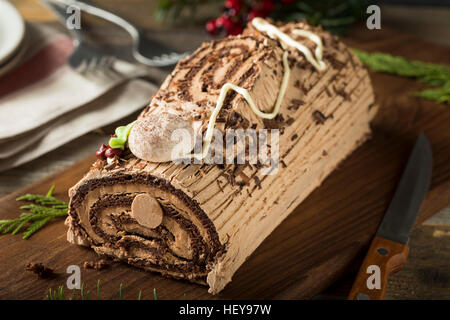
42	271
96	265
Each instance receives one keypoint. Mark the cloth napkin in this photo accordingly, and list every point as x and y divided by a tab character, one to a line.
45	104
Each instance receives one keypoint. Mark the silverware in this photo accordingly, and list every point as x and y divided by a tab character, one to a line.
85	58
145	51
389	249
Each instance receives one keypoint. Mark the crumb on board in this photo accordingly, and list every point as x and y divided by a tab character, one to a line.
38	268
96	265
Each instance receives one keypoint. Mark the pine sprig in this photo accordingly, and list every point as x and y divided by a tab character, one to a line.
37	214
432	74
58	294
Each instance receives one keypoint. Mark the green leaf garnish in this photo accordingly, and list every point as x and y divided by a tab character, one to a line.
122	132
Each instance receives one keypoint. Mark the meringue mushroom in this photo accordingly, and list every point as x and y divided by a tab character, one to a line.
161	137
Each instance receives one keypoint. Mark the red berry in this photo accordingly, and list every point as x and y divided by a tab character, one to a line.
211	27
234	6
254	14
113	152
236	29
100	153
267	6
224	22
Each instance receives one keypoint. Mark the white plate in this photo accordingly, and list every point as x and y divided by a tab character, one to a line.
12	30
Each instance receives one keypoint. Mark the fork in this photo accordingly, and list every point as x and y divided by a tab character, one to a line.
145	50
85	58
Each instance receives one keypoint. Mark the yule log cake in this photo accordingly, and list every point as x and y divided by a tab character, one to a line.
199	220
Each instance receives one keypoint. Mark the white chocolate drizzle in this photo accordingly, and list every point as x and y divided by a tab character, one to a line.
285	40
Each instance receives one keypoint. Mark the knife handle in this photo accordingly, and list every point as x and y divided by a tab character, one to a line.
384	258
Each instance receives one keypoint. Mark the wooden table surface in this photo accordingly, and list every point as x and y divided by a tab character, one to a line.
427	272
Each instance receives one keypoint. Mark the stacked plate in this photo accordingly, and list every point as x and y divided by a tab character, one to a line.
12	35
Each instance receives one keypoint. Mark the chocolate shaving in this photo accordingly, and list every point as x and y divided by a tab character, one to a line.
319	117
238	169
290	121
236	120
342	93
258	182
220	186
245	178
336	63
275	123
295	104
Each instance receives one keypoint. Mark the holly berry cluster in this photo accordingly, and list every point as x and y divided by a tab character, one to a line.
237	13
107	152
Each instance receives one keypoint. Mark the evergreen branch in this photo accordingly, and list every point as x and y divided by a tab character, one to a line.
441	95
33	208
35	226
19	227
98	290
56	294
40	199
10	226
432	74
84	294
41	210
50	191
59	293
50	295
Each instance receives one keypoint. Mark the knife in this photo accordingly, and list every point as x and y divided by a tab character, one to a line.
389	249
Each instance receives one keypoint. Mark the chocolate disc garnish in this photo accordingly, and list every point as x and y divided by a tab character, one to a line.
147	211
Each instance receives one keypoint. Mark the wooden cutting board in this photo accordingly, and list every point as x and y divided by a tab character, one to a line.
320	242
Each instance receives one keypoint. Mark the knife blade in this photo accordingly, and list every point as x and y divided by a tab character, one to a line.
389	249
408	197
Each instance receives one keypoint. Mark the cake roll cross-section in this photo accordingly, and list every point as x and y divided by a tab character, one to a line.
200	221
